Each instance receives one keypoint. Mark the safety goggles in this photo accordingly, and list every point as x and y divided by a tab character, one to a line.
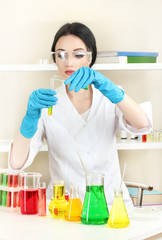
75	57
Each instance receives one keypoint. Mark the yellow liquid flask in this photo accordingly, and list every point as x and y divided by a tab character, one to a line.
95	211
74	209
118	215
58	204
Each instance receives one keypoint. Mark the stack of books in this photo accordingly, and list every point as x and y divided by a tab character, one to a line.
126	57
149	197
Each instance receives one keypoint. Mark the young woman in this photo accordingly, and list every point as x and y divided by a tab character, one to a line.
84	120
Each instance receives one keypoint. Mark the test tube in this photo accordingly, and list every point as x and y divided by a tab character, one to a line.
144	138
160	135
66	196
10	179
42	198
1	183
15	199
4	193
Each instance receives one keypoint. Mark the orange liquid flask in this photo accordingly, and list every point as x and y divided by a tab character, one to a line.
118	215
74	209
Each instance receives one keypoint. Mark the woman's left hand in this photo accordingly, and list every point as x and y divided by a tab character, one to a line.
85	76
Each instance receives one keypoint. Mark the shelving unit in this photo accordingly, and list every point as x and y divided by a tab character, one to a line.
121	144
53	67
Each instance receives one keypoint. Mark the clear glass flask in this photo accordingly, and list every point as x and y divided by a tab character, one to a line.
118	215
95	209
58	204
74	209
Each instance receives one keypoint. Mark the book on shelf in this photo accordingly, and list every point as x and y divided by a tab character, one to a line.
126	57
149	197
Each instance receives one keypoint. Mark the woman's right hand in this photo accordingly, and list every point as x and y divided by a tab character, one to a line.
41	98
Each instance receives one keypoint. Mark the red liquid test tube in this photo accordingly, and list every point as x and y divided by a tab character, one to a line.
10	180
144	138
15	194
42	199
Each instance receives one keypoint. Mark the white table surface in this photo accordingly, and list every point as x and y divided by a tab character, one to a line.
144	222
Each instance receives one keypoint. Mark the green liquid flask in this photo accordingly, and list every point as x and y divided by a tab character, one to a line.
58	204
118	215
95	209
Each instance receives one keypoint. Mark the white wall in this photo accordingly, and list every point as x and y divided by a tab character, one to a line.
27	29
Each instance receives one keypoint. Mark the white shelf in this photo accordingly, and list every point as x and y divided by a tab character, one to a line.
129	144
121	145
53	67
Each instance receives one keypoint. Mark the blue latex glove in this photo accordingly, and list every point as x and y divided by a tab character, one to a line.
41	98
85	76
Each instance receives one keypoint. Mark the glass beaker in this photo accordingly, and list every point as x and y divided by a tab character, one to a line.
58	204
29	183
118	215
95	209
74	208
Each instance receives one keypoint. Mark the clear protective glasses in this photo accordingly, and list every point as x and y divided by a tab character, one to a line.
82	58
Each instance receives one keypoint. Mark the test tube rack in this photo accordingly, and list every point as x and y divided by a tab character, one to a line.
9	196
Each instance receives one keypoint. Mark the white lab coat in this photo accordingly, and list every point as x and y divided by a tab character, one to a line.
67	132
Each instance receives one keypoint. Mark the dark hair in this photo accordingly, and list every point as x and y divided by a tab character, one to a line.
81	31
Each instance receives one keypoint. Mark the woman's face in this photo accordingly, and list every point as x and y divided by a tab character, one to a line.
71	55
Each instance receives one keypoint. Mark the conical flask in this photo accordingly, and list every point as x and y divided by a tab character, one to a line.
58	204
95	209
74	209
118	215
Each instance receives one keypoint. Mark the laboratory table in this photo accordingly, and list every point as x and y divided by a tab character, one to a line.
144	222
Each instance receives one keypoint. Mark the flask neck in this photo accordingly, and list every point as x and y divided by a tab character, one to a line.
95	179
59	192
118	192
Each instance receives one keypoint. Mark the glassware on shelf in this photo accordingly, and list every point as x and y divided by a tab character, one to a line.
58	204
74	209
118	215
95	209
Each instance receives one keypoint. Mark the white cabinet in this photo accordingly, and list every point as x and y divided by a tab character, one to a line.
121	145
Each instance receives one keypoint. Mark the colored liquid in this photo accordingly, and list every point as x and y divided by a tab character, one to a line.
4	193
118	216
57	208
144	138
1	182
15	194
0	197
59	192
74	210
10	178
95	209
29	201
67	197
42	201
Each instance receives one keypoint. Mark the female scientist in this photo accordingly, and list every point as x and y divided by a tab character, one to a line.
82	120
